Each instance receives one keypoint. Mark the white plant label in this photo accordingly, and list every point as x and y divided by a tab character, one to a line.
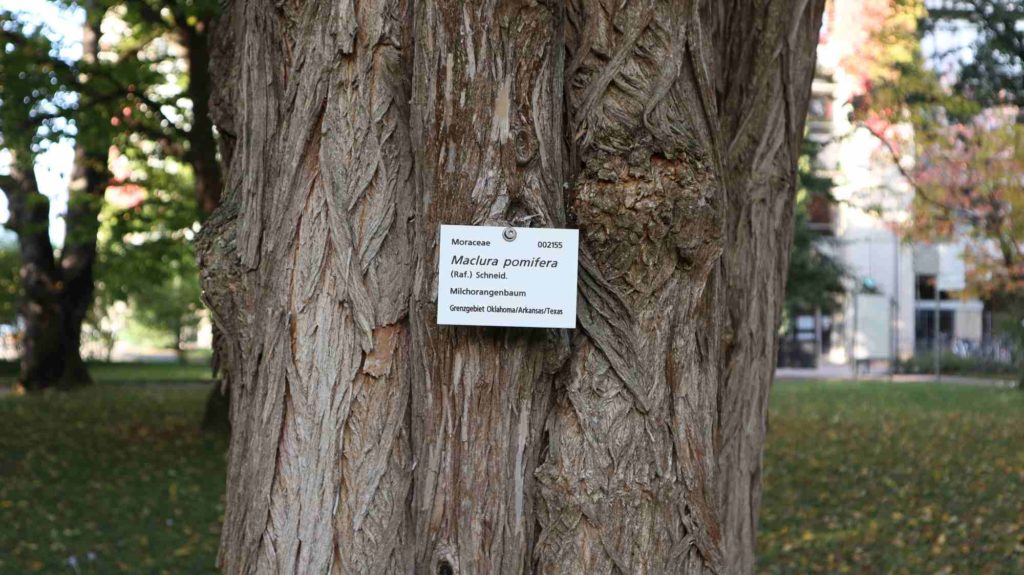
509	277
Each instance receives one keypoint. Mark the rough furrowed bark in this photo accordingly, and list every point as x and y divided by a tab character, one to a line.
319	457
629	476
767	58
367	439
487	131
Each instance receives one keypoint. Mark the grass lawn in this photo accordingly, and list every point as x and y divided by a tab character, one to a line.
866	478
149	372
113	479
880	478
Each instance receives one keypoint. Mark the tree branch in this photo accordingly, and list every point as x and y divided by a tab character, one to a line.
907	175
150	14
9	184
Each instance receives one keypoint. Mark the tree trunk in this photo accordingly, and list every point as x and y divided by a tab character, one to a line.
766	64
202	151
42	352
487	135
78	259
202	156
89	180
367	439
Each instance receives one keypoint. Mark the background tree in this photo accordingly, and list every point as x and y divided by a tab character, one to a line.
366	438
171	307
992	75
177	116
9	284
99	98
146	255
42	95
955	136
58	98
127	99
193	140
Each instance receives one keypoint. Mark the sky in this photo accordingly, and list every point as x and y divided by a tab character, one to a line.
949	46
53	167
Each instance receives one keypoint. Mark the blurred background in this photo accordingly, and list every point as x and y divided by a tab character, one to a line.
895	425
908	251
105	164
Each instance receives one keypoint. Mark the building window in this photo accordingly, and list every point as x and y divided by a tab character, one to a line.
926	289
924	329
